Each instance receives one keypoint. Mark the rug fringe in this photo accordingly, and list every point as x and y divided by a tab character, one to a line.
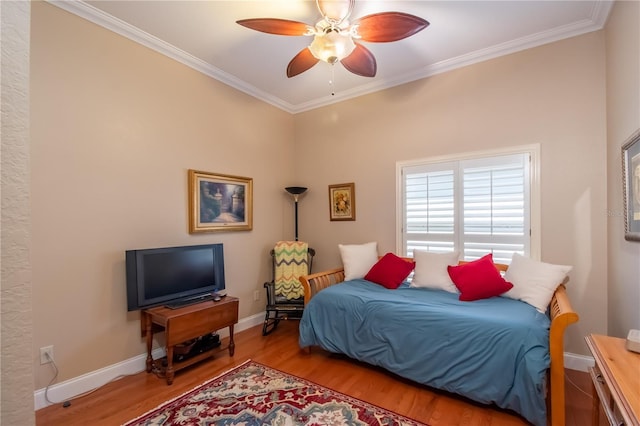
184	393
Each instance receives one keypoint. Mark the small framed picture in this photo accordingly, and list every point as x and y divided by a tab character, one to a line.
342	201
219	202
631	187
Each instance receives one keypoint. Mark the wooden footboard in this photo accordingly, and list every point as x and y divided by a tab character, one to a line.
562	315
561	312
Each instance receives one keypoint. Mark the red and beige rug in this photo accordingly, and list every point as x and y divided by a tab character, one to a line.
254	394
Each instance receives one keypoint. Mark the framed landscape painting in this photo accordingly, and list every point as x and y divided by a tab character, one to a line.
631	187
342	201
219	202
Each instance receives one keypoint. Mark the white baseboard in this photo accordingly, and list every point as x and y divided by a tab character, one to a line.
578	362
71	388
58	393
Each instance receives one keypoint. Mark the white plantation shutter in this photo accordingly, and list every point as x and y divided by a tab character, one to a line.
495	207
430	215
476	206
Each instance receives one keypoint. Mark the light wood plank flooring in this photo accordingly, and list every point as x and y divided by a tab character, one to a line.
129	397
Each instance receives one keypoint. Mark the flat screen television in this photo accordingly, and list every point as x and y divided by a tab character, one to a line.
173	276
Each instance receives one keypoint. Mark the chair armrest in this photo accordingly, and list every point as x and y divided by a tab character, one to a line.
270	288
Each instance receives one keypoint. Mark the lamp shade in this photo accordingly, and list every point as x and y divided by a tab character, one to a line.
295	190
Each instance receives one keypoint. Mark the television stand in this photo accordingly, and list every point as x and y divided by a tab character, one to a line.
186	323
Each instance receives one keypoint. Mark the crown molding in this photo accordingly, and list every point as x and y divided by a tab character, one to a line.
120	27
599	15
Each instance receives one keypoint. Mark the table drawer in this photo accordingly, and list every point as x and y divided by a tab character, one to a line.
201	322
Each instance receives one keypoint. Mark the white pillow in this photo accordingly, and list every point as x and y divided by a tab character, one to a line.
534	282
358	259
431	270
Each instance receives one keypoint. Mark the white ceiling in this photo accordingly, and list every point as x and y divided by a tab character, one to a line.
204	35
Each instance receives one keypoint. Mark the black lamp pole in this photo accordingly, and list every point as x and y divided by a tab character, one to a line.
296	191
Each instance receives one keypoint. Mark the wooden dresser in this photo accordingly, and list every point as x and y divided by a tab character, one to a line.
616	380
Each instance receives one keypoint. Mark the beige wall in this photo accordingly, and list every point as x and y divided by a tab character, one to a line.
16	402
623	119
553	95
115	127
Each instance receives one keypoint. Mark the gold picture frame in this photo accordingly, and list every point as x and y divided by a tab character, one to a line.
631	187
342	201
219	203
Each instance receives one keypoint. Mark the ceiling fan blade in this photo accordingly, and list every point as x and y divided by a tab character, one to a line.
335	10
361	62
389	26
301	62
277	26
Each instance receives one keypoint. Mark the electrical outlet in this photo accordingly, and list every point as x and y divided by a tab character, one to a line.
256	296
44	351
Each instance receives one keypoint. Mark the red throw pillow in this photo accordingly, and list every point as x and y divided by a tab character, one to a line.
390	271
479	279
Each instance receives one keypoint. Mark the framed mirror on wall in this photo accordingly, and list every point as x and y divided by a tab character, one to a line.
631	187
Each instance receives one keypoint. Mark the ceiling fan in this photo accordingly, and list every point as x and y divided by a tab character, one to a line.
335	39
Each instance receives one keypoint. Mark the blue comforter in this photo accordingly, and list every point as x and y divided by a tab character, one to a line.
494	351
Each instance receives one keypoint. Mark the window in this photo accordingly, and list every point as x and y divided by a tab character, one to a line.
476	204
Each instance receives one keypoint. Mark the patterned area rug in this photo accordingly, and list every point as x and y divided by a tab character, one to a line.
253	394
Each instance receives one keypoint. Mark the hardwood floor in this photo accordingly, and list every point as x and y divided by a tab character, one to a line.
129	397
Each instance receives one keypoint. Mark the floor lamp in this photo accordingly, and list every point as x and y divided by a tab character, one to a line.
296	191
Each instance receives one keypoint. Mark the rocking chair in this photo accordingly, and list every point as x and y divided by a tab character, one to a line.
285	295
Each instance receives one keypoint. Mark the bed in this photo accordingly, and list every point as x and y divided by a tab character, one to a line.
432	338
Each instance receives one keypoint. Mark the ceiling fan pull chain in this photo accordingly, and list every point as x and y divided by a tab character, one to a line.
331	86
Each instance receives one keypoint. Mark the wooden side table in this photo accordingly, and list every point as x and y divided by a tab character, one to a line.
188	323
616	380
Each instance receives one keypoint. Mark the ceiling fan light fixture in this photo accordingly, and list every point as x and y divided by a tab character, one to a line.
334	38
335	11
332	46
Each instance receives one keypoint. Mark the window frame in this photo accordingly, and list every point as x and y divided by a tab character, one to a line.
533	150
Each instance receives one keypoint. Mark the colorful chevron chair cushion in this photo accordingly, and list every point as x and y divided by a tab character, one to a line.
291	262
